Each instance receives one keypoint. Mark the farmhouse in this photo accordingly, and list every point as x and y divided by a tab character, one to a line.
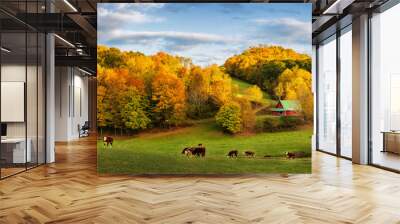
286	108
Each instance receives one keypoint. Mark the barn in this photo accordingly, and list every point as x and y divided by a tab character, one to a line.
286	108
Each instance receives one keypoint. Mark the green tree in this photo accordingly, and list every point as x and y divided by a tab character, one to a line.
109	57
229	118
134	113
104	115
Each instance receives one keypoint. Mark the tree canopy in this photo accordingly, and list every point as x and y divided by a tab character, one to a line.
262	65
137	91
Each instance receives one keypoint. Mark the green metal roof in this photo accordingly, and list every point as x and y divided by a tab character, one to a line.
278	109
288	105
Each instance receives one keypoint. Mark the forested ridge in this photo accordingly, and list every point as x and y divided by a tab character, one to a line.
263	65
137	91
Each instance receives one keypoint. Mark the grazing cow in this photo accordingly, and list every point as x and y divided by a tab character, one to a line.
233	153
200	150
187	151
249	153
267	156
293	155
108	140
290	155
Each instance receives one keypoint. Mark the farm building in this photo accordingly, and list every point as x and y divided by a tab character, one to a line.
286	108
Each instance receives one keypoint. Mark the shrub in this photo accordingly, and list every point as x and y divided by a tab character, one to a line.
290	122
248	115
272	124
259	127
229	118
201	111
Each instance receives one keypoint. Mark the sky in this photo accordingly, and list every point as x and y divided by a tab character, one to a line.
207	33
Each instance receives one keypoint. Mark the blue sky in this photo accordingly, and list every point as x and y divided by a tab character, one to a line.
207	33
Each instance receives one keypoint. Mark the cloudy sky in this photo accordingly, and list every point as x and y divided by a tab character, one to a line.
207	33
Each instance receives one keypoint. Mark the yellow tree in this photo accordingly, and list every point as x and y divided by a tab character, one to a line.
229	118
140	67
263	64
169	62
254	93
198	91
296	85
248	114
220	85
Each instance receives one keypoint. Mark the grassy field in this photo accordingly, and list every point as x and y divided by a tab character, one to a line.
160	152
244	85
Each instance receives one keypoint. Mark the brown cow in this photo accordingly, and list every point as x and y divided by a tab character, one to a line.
188	151
249	153
200	150
233	153
293	155
108	140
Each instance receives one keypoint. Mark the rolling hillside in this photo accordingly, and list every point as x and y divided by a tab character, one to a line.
242	85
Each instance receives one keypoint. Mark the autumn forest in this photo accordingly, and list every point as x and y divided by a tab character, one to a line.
138	92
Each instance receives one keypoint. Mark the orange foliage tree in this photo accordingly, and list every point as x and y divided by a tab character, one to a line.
137	91
169	98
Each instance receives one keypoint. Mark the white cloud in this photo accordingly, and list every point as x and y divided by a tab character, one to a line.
149	5
118	27
170	40
189	36
203	48
111	18
286	22
135	6
285	30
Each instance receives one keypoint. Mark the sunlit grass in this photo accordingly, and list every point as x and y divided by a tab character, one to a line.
244	85
160	153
